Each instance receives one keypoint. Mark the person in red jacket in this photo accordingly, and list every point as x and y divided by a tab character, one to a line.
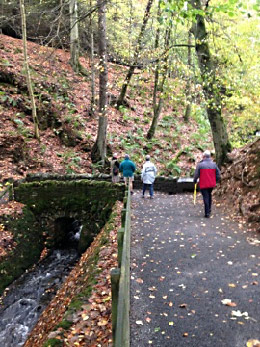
208	174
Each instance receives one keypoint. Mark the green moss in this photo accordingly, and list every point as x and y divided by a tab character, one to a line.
53	343
65	324
91	202
30	242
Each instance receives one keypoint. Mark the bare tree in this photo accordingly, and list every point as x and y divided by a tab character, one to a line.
138	49
74	35
27	69
161	68
98	152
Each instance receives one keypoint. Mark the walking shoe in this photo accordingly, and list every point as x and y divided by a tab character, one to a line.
151	197
206	216
143	196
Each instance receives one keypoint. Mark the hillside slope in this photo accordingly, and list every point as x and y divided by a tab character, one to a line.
67	128
240	184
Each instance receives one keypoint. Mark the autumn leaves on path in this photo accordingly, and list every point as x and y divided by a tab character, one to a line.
194	281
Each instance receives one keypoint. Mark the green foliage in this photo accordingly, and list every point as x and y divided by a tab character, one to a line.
96	168
174	169
200	115
22	129
125	112
5	62
7	99
71	161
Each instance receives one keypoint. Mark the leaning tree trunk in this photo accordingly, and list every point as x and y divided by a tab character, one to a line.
211	91
98	152
158	104
27	69
74	36
136	55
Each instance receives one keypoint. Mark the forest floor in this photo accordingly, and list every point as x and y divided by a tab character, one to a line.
194	281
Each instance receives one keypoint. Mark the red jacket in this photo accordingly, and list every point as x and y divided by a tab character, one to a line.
208	173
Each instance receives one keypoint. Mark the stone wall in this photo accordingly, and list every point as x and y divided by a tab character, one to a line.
87	201
171	185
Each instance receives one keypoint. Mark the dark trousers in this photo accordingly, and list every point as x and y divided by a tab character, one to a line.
207	198
148	186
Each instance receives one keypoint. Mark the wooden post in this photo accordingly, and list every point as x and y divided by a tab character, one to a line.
115	277
120	240
123	214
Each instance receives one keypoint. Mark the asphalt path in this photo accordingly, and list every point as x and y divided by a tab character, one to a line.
194	281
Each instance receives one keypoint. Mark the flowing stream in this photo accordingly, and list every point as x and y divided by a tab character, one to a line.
29	295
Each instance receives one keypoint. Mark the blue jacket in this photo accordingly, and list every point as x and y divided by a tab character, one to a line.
127	167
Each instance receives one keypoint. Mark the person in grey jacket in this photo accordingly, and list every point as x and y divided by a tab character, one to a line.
148	176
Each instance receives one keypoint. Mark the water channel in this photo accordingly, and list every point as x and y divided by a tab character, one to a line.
29	295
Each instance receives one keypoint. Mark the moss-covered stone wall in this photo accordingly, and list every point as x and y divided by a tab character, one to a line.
89	202
29	240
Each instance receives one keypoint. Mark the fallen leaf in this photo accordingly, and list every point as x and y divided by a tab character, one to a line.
239	313
231	285
139	280
139	322
103	322
253	343
228	302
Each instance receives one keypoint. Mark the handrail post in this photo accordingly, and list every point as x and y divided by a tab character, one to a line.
123	217
115	278
120	240
122	333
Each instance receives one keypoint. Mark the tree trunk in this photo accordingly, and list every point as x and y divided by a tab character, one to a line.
156	116
136	55
212	96
156	45
92	63
98	152
27	69
74	36
158	105
188	86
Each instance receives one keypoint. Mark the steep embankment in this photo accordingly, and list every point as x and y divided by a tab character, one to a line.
67	127
240	185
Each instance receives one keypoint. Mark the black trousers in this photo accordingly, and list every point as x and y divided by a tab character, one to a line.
207	198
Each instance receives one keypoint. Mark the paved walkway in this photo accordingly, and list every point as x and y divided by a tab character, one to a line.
183	267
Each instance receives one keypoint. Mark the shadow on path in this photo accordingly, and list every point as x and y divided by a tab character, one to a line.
182	267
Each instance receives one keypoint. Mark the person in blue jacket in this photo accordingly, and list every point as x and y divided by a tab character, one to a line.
127	167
